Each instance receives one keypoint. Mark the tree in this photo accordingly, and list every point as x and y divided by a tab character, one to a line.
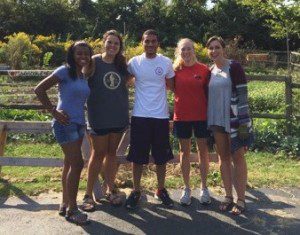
230	20
281	16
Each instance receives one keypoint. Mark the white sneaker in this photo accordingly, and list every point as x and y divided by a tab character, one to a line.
186	199
205	197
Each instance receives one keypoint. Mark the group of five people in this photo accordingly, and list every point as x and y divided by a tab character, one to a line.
207	100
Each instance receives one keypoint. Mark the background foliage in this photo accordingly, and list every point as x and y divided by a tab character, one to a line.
263	23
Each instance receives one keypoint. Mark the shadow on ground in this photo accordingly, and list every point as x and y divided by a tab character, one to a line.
268	211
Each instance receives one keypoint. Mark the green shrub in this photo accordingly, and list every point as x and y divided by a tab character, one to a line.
169	52
2	52
270	135
21	115
20	52
137	50
266	97
46	59
201	53
95	44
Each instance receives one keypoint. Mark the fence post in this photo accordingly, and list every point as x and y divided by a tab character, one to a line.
288	103
3	135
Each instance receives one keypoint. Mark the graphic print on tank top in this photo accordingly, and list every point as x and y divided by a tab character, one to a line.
111	80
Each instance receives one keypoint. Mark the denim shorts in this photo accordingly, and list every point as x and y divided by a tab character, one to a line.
68	133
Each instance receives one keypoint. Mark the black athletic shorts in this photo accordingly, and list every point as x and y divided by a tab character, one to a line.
184	129
149	134
106	131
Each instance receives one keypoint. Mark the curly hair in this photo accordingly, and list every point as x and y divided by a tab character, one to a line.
70	61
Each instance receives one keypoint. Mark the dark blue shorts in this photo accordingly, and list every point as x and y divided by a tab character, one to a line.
106	131
184	129
149	134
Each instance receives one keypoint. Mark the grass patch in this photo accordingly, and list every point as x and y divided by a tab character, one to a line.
265	170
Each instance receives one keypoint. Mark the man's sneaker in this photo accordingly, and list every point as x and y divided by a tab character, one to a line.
205	197
186	199
163	196
133	199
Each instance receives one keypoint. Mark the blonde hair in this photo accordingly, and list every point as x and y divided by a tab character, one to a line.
178	62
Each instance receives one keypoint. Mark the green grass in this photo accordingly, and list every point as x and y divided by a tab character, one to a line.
265	170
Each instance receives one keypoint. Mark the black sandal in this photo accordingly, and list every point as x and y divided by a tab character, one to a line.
88	204
77	217
239	207
227	204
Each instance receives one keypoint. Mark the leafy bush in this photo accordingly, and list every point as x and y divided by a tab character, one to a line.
137	50
95	44
20	115
20	52
46	59
266	97
51	44
201	53
270	135
133	51
2	52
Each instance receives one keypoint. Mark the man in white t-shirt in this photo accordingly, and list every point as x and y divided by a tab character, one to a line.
150	117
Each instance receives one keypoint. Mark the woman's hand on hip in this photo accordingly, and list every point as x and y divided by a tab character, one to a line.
61	117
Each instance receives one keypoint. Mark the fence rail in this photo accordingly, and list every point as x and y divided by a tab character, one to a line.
45	127
289	85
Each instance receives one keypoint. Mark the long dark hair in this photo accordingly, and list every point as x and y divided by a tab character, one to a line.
71	64
120	60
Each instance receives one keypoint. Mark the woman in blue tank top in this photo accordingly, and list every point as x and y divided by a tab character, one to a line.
69	122
107	116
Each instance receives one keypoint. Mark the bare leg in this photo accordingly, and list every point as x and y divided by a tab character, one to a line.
240	173
72	153
111	163
223	147
99	151
161	175
185	150
65	171
204	160
137	171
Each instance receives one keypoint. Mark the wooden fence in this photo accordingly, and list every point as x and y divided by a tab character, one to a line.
44	127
